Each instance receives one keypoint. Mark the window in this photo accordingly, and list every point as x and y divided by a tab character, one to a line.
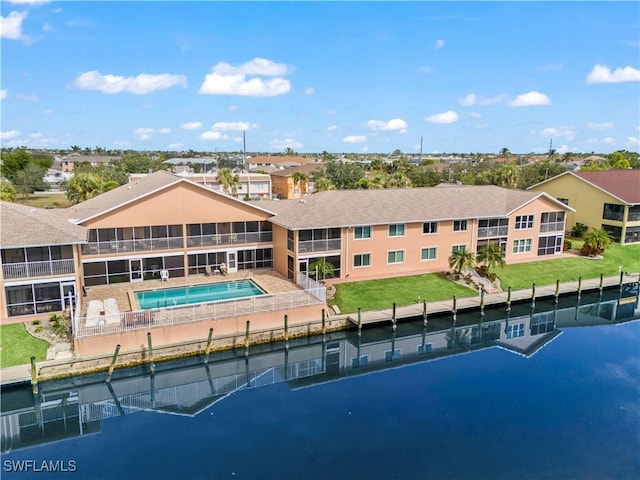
429	228
552	222
458	248
395	256
612	211
459	225
426	348
542	323
522	246
563	200
616	232
634	213
362	260
360	233
396	230
524	221
361	361
390	355
493	227
515	330
428	253
550	245
290	240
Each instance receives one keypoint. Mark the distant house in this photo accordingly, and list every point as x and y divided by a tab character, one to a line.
270	163
283	185
609	200
93	160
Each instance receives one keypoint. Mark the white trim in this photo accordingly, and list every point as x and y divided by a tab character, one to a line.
355	239
18	283
513	246
395	251
437	227
585	181
361	266
404	230
429	259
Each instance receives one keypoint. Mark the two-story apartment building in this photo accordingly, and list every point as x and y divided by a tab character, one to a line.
284	185
609	200
382	233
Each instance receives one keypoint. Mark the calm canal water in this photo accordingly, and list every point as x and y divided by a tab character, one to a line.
548	393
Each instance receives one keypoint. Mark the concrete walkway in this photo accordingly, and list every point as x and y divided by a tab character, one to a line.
22	373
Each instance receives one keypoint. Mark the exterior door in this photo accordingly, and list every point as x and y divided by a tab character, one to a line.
135	269
303	265
232	261
68	290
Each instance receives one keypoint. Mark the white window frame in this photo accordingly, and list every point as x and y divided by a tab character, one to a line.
362	227
395	252
524	222
435	254
368	254
460	222
458	247
521	246
431	224
396	225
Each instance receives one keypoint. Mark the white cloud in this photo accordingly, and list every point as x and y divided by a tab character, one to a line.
9	135
473	99
332	128
364	149
233	108
36	135
3	94
27	98
284	143
164	130
232	126
140	85
226	79
439	44
143	133
564	132
633	141
355	139
609	140
530	99
191	126
445	117
391	125
309	91
603	74
47	27
175	146
11	25
600	126
211	135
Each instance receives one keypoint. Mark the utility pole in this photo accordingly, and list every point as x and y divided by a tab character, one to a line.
421	149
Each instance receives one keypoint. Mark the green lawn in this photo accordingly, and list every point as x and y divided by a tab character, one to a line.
17	346
547	272
381	294
57	200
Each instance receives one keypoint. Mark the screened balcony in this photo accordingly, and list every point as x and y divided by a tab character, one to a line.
133	239
37	262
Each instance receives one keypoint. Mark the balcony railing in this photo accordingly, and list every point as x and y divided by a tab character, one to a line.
228	239
552	227
125	246
37	269
310	246
484	232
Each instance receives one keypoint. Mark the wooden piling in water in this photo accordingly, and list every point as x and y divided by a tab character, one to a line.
152	365
246	338
621	279
425	320
359	321
557	292
601	284
208	349
482	302
324	322
455	309
533	294
34	376
393	316
579	288
286	328
113	362
509	298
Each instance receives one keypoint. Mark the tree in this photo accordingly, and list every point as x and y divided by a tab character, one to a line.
84	186
461	259
289	152
507	175
298	179
321	269
322	184
505	152
13	162
343	175
596	242
7	191
136	162
230	182
29	179
491	255
75	149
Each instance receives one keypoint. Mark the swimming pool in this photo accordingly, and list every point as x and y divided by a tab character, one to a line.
210	292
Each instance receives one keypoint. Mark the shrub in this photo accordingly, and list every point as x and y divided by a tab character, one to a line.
567	245
35	322
38	329
578	230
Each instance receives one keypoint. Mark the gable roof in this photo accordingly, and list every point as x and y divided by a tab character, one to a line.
279	159
28	227
131	192
341	208
307	169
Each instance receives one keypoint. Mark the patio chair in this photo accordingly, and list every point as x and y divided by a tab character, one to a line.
164	275
207	270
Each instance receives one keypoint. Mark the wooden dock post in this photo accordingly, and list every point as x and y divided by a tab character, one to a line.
425	320
533	294
620	282
324	322
557	293
113	362
509	298
286	328
152	365
34	376
393	316
482	302
601	284
208	349
359	321
455	309
579	288
246	338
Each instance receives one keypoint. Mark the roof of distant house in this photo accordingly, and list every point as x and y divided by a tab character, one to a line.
621	183
307	169
340	208
279	159
24	226
91	158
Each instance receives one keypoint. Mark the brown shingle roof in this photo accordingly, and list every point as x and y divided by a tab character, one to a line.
307	169
370	207
23	226
278	159
624	184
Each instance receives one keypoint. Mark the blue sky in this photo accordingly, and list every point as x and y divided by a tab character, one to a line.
341	77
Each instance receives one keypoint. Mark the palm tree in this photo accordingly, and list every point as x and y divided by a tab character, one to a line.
491	255
505	152
322	184
298	179
461	259
508	175
230	182
596	242
322	269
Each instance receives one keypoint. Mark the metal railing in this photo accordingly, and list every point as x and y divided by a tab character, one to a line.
37	269
114	323
312	286
124	246
228	239
307	246
552	227
484	232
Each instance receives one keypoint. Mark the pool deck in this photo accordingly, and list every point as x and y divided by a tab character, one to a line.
124	293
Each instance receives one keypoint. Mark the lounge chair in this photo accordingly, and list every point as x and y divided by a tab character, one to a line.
207	270
164	275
